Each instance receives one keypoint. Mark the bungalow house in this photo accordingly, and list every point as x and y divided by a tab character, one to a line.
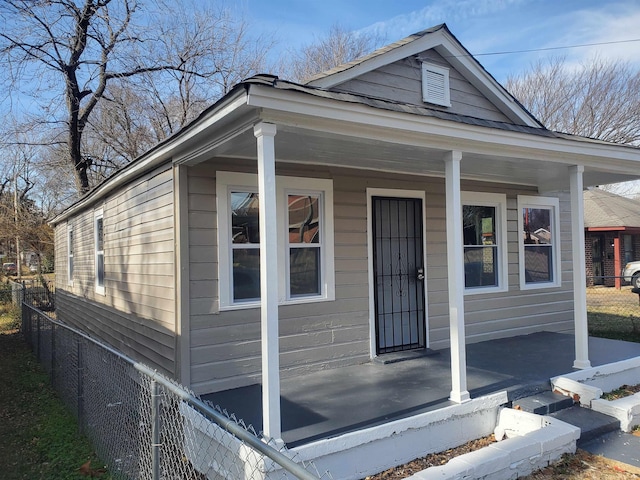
404	201
612	235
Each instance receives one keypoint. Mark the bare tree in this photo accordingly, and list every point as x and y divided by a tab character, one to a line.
597	99
23	226
339	46
82	51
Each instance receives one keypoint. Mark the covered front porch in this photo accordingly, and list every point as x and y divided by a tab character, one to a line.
331	403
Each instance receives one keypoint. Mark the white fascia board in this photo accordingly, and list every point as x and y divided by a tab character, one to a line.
285	107
153	159
403	51
466	65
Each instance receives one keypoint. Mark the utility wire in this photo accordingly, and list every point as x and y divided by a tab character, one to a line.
555	48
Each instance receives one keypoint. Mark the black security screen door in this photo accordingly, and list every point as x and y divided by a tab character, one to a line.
398	265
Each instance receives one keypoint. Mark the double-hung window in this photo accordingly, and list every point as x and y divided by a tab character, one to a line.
304	219
539	245
99	251
484	228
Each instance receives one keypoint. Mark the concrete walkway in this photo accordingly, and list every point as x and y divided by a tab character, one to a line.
620	446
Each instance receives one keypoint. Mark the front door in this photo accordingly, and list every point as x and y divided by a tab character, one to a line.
597	255
398	269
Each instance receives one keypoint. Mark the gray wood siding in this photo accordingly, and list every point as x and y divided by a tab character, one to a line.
402	82
225	346
136	313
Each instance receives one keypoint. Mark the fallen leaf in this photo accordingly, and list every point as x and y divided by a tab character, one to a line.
86	470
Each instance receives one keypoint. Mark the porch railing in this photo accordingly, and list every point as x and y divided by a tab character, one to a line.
142	424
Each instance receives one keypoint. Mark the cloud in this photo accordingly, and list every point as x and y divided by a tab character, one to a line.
444	11
531	29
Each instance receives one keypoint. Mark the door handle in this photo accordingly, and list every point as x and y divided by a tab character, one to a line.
420	274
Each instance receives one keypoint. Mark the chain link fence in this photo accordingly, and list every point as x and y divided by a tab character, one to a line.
142	424
613	308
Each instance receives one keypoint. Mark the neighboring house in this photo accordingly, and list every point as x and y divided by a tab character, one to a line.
612	235
402	201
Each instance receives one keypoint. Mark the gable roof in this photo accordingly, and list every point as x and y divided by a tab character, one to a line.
605	209
440	39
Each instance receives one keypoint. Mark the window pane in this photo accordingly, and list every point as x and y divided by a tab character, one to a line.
538	263
245	220
537	226
100	267
99	235
246	274
304	226
70	243
480	267
479	225
304	271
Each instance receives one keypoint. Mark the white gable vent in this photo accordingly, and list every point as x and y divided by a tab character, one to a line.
435	85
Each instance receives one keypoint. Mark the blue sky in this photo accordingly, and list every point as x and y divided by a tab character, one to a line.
483	26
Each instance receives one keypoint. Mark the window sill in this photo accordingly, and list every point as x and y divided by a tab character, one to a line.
540	286
484	290
281	303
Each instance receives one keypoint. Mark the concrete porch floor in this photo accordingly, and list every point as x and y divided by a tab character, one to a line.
328	403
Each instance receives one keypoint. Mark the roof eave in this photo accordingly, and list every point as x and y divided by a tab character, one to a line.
159	154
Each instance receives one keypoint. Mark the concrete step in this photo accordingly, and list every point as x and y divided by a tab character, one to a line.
544	403
592	424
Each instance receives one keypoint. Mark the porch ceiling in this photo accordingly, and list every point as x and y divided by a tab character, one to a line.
402	155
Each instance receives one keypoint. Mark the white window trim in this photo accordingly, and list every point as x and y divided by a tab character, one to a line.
227	181
70	255
98	214
499	202
429	67
553	204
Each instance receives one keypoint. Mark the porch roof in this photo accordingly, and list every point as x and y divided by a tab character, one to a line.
325	127
317	126
332	402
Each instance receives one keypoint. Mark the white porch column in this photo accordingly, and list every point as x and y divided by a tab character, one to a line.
271	426
455	267
579	274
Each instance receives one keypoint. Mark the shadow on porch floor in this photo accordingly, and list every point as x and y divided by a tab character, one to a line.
332	402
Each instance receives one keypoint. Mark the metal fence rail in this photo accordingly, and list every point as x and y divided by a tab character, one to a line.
142	424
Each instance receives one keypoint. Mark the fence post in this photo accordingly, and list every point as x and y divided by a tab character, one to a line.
80	379
53	355
26	327
155	431
38	338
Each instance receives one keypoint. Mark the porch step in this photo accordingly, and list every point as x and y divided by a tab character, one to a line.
592	424
544	403
401	356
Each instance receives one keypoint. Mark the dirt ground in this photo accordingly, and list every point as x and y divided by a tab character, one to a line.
582	465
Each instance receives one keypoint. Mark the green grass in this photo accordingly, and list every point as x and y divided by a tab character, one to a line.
616	326
39	437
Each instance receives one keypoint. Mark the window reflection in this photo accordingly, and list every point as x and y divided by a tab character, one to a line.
245	219
480	246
